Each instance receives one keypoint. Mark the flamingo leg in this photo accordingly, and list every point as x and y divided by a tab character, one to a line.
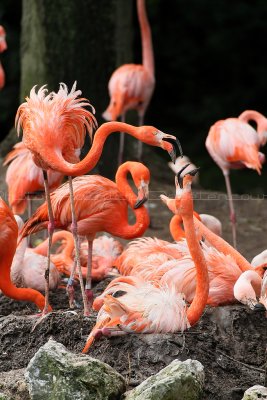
50	230
88	284
139	143
231	206
29	212
122	139
74	230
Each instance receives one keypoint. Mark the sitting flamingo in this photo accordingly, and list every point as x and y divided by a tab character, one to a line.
28	267
142	309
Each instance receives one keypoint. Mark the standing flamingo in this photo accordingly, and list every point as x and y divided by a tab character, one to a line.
143	309
8	245
131	85
101	205
54	127
3	47
24	178
234	144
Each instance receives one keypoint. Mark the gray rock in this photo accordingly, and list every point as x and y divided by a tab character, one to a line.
56	374
179	380
13	385
256	392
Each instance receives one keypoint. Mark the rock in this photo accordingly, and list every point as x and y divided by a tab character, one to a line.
179	380
56	374
13	385
256	392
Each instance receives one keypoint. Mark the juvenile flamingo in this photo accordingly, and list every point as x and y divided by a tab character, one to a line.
143	309
3	47
8	245
234	144
131	85
24	178
54	128
101	205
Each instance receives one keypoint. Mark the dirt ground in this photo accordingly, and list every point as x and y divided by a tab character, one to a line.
229	341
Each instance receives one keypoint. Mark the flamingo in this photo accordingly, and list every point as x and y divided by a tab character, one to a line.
54	127
131	85
28	267
23	178
234	144
8	245
143	308
101	204
3	47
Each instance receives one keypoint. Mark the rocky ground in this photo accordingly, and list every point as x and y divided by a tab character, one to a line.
229	341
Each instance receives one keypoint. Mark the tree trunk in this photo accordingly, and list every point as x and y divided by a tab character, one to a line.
83	40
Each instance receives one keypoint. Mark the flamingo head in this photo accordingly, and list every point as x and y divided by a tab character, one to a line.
183	198
141	178
153	137
115	108
3	44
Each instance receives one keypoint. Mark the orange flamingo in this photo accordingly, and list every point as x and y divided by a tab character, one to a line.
234	144
23	178
54	127
101	205
143	309
28	267
131	86
8	245
3	47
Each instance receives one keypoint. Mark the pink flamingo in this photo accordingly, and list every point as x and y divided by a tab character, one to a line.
233	144
131	86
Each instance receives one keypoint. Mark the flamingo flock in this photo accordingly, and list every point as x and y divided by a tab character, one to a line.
157	286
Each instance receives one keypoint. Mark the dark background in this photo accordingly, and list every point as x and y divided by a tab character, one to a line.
210	61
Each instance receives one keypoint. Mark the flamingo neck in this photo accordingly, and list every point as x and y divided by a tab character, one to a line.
176	229
147	46
221	245
68	247
6	285
123	229
198	304
261	121
89	162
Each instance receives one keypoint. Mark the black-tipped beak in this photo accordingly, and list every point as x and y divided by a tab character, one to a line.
259	307
193	172
179	177
177	148
140	202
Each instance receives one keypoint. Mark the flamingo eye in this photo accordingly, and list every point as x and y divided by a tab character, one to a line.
119	293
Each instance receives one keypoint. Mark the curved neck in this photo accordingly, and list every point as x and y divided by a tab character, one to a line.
221	245
176	228
92	157
6	285
251	115
147	46
67	247
197	306
123	229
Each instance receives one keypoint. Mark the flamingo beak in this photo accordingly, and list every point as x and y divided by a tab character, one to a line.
259	307
176	146
142	195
